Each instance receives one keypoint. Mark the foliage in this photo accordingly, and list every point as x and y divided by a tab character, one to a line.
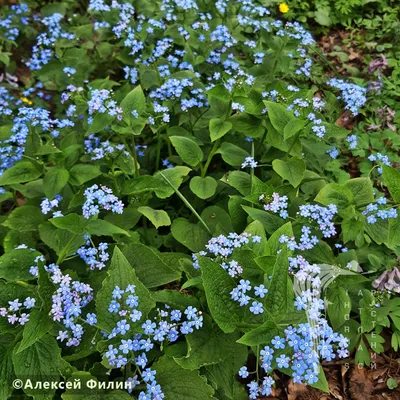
178	211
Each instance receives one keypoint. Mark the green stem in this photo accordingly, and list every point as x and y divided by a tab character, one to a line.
210	156
188	205
158	157
63	253
135	158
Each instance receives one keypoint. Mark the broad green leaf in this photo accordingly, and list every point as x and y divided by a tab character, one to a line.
39	363
247	124
188	150
362	190
262	334
391	177
206	346
99	227
175	299
193	236
279	116
241	181
157	217
120	274
270	221
175	176
54	181
334	193
58	239
203	187
292	127
231	154
133	101
218	285
276	298
339	306
15	264
291	170
24	219
72	223
38	325
224	373
367	305
6	370
24	171
100	122
177	382
219	128
82	173
273	244
149	267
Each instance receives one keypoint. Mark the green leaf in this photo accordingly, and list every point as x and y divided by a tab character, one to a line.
334	193
149	267
391	178
189	151
57	239
177	382
72	223
15	264
120	274
24	171
247	124
54	181
276	298
292	127
362	190
99	227
24	219
291	170
175	176
203	187
224	373
100	122
219	128
279	116
82	173
231	154
39	363
261	335
273	244
193	236
175	299
206	346
157	217
38	325
6	370
270	222
218	285
339	306
134	100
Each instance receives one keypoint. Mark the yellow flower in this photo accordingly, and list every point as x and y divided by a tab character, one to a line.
27	101
283	8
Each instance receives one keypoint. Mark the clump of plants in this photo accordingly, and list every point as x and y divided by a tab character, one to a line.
178	218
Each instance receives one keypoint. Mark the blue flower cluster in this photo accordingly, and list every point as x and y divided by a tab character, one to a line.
240	295
16	311
101	102
167	326
94	257
352	94
43	51
381	159
99	150
276	204
103	197
48	205
17	15
223	246
249	162
68	301
374	212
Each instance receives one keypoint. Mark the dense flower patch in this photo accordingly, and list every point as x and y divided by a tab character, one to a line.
178	217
